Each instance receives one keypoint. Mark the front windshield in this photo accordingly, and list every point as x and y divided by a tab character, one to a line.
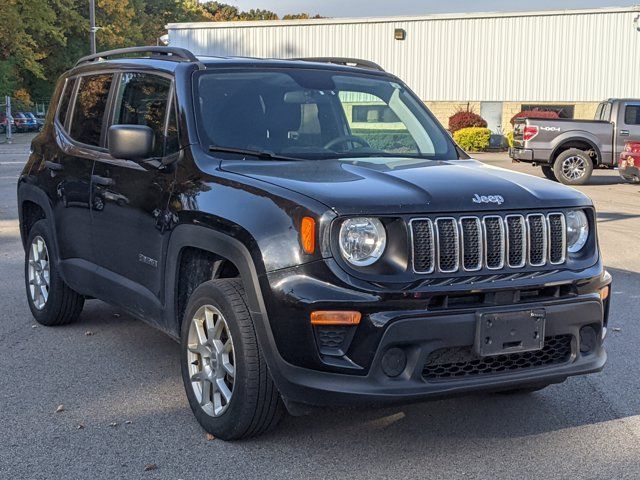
316	114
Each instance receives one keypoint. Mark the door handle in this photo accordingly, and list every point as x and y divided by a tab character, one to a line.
624	133
103	181
53	166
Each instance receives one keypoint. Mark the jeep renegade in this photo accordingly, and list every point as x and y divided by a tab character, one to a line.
309	233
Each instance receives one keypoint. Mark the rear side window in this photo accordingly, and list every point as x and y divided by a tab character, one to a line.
65	99
88	112
142	100
632	115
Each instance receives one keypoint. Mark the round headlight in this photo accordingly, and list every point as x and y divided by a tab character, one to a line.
362	240
577	230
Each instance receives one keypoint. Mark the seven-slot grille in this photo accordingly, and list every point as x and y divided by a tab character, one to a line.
492	242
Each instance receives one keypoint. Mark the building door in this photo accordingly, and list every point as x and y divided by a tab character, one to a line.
492	113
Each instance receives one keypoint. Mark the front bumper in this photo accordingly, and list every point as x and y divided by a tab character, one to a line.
359	377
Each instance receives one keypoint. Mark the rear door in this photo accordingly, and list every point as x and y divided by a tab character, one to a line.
131	220
69	161
628	126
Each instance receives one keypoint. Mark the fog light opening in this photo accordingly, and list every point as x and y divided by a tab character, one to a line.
604	293
588	339
394	361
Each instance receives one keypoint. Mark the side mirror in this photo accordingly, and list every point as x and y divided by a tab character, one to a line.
131	142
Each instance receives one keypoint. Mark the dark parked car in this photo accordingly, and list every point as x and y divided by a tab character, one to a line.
569	150
36	122
25	123
300	256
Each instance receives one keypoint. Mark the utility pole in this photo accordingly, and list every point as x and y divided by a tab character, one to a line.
92	22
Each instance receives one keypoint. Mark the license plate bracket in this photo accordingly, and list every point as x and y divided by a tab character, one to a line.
500	333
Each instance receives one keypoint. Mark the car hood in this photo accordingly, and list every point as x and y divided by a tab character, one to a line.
402	185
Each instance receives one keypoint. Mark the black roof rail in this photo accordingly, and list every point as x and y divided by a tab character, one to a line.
163	53
352	62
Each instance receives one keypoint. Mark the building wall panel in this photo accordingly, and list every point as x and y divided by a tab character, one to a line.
571	56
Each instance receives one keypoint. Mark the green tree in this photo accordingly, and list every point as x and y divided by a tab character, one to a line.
43	38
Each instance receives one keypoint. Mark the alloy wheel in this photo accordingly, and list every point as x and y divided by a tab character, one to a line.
211	360
574	167
39	273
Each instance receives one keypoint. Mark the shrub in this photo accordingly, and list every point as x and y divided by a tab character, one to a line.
473	139
465	119
510	139
535	114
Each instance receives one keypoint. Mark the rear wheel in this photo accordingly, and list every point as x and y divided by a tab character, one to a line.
573	167
547	171
225	375
51	301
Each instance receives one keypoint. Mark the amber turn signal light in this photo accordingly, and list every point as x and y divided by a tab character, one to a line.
604	293
335	318
308	235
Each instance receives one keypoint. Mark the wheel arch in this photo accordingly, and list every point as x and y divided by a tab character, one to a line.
34	205
581	143
212	254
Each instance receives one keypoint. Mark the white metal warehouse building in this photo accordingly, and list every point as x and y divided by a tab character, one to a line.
497	63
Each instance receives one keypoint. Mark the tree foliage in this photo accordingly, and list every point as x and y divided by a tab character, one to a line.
43	38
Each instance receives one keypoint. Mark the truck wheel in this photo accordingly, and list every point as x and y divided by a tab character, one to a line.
51	301
225	375
573	167
547	171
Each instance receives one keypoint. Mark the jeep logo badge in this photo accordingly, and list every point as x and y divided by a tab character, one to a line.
488	199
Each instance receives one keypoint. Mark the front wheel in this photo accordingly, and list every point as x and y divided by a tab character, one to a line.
573	167
225	375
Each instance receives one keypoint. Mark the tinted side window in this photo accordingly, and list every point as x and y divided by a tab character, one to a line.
632	115
88	112
65	99
142	100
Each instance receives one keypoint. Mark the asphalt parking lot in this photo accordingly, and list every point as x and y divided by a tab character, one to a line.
124	407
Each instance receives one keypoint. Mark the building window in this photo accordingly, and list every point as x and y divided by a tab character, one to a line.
563	111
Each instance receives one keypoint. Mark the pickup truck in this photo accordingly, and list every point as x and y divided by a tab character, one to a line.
568	150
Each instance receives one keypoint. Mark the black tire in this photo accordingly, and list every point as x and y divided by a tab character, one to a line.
63	305
547	171
573	154
255	405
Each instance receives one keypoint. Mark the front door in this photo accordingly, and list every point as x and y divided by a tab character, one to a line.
130	200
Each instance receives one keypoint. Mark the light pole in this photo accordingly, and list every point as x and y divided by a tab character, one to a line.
92	23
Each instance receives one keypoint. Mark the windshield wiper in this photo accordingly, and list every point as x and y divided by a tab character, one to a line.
253	153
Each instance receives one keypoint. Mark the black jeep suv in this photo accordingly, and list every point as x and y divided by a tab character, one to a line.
309	233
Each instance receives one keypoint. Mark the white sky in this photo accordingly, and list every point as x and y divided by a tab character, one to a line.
369	8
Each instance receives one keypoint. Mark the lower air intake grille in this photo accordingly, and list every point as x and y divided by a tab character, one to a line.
459	362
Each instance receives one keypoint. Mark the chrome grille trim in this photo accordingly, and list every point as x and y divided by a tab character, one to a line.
432	248
523	244
455	244
501	244
476	243
533	230
478	249
563	241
